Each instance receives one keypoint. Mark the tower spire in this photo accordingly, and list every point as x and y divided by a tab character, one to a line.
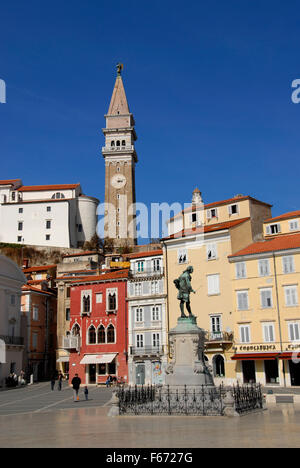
118	103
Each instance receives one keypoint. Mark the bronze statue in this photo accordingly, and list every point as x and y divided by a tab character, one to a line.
184	286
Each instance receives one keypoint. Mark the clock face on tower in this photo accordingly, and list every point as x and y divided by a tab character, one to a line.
118	181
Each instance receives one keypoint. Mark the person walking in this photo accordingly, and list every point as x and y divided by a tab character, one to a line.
60	379
52	382
76	382
86	393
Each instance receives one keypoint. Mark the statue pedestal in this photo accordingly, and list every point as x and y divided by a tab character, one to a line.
187	365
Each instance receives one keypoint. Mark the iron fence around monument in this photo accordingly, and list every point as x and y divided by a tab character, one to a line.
202	401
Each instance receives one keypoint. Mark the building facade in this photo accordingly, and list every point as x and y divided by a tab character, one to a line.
11	341
148	341
265	279
203	236
46	215
74	266
98	339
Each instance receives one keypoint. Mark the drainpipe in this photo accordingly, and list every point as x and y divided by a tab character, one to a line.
167	292
279	319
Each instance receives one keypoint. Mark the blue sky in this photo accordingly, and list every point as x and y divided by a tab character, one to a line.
209	84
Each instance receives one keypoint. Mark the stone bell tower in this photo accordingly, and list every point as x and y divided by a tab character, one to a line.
120	160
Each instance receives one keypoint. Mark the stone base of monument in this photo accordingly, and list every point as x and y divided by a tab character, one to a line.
187	365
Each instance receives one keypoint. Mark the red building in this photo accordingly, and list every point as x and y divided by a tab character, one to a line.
99	328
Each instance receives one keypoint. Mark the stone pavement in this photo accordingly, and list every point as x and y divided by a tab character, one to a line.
39	397
37	417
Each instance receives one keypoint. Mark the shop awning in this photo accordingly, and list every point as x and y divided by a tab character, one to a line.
290	355
63	359
98	358
255	357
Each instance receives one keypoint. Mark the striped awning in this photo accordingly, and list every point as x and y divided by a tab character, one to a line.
98	358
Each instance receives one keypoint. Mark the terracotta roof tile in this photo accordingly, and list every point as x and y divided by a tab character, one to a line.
39	268
114	275
206	229
151	253
283	242
40	188
291	214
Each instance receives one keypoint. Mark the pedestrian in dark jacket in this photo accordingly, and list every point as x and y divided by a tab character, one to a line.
86	393
52	382
60	379
76	382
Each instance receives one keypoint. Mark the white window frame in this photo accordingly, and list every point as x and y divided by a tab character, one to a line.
264	267
154	287
138	289
156	313
294	225
139	314
269	229
99	297
209	213
294	336
111	291
211	251
268	332
216	320
156	340
291	295
238	294
230	209
288	264
140	339
264	305
213	284
182	256
241	270
245	332
83	294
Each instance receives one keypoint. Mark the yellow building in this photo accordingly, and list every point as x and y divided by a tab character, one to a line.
265	277
203	236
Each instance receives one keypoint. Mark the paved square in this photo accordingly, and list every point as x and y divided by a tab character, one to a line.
37	417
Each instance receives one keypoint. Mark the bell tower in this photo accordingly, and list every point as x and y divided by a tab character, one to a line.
120	160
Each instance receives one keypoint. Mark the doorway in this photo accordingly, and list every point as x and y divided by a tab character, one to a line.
140	374
294	373
249	372
92	374
271	372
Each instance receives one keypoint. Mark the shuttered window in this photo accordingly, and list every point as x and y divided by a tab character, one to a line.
213	284
242	300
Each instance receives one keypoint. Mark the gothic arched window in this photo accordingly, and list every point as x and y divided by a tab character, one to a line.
112	301
112	143
76	330
92	335
110	334
118	143
86	303
101	334
123	143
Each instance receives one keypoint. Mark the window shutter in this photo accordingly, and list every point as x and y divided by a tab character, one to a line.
268	229
292	335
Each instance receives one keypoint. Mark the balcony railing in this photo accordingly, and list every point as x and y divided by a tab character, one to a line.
147	351
147	272
220	337
12	340
70	342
